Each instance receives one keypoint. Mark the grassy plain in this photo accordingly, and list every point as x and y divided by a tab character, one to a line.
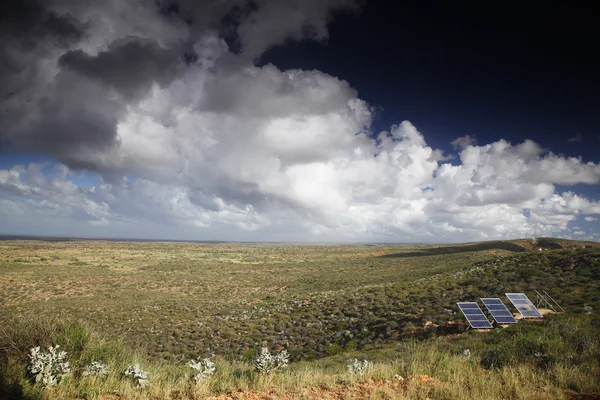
170	302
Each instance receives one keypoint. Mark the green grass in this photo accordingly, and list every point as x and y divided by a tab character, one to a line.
165	303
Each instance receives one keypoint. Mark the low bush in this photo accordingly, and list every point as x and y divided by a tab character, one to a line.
96	368
493	358
267	363
138	375
357	367
204	369
48	368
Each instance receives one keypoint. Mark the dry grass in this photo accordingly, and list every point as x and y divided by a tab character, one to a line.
170	302
144	290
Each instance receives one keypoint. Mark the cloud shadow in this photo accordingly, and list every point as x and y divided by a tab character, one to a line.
444	250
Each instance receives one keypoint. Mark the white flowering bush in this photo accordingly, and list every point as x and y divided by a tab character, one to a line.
138	375
357	367
48	368
267	363
204	368
96	368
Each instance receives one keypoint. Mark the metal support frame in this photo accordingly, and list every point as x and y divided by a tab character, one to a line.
543	299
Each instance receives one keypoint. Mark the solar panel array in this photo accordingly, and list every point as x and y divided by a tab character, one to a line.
524	305
499	311
475	316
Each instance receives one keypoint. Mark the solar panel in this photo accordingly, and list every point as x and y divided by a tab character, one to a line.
523	305
475	316
499	311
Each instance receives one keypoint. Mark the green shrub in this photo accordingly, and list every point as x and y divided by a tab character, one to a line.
334	349
494	357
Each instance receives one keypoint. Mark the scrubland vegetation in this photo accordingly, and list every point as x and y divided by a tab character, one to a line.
161	305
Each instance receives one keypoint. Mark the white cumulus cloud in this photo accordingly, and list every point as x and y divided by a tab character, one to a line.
213	146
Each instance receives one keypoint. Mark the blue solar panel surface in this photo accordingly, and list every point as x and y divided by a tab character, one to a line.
474	315
524	305
499	311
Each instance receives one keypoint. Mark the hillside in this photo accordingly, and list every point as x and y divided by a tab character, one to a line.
167	303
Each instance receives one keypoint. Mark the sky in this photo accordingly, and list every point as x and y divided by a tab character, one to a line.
299	120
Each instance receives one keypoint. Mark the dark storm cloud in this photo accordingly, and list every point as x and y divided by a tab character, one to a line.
129	65
39	114
62	62
26	28
72	121
27	21
59	100
252	26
